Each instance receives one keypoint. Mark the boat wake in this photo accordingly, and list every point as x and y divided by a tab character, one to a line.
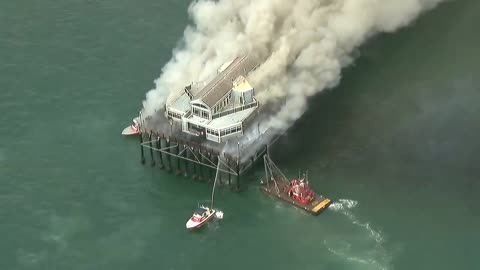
342	204
218	214
364	245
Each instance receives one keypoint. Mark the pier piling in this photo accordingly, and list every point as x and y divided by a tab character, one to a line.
167	148
238	176
185	163
159	146
178	158
229	175
210	171
194	177
151	150
142	156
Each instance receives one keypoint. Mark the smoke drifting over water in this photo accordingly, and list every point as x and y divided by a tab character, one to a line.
302	45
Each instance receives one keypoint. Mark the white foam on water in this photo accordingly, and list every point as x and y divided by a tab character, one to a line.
376	259
219	214
374	234
370	258
341	204
343	254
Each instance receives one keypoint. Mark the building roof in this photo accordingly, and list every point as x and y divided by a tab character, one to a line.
223	82
241	85
181	103
230	119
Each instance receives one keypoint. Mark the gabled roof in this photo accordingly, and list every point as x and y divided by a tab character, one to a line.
223	82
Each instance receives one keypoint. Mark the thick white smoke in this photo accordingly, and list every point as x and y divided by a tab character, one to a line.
301	44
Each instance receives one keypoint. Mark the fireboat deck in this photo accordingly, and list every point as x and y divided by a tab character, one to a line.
276	185
316	207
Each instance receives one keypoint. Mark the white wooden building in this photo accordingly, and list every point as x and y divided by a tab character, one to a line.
219	109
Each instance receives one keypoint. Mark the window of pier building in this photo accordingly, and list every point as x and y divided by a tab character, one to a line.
212	132
226	100
174	115
200	113
231	130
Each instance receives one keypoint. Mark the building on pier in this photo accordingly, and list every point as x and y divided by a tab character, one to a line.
210	126
220	109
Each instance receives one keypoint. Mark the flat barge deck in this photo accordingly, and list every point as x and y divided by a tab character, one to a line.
276	184
315	207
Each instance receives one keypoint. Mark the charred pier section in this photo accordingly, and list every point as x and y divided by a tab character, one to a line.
196	161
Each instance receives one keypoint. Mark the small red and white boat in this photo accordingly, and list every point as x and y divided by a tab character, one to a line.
201	216
133	129
203	213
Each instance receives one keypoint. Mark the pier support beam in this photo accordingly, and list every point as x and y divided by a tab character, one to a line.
229	175
159	146
167	145
194	164
238	177
238	167
203	159
151	150
210	171
218	157
185	162
199	166
178	159
142	156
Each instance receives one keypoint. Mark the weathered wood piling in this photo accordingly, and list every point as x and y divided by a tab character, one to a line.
199	161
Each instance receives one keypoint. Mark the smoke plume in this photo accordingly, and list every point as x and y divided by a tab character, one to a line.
301	44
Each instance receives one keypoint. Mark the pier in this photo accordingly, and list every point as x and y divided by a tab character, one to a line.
163	145
208	123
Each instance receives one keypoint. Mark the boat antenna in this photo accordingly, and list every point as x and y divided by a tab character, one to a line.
214	182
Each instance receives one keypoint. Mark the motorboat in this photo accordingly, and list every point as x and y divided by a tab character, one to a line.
203	213
200	217
133	129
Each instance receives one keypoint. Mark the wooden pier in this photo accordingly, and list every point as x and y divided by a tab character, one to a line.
170	149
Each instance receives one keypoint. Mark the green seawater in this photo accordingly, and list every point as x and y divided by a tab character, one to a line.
396	145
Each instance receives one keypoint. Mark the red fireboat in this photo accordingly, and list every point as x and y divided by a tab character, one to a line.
296	192
300	191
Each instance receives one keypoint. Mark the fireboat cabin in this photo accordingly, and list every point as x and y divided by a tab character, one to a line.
219	109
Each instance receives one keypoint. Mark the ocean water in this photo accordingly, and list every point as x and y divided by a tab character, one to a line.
395	145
